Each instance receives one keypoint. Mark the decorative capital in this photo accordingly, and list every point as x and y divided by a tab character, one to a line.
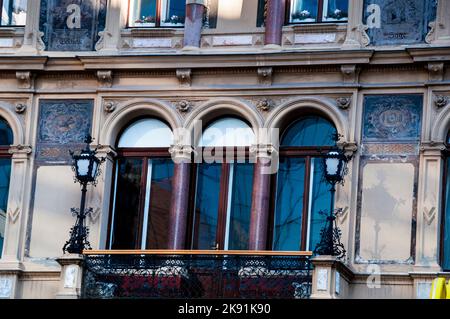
350	148
109	106
105	78
441	101
20	149
432	147
350	73
263	150
25	79
20	108
264	105
344	102
201	2
436	71
184	77
265	75
181	151
183	106
106	150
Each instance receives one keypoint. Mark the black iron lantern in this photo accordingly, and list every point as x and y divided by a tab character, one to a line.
335	164
86	166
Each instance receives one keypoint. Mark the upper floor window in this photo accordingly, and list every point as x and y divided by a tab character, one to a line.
14	12
157	13
6	139
302	11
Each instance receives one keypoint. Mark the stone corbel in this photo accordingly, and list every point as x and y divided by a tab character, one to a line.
105	78
106	150
265	75
184	77
344	102
436	71
25	79
350	148
350	73
441	101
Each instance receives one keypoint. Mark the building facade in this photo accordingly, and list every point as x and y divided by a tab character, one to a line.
140	75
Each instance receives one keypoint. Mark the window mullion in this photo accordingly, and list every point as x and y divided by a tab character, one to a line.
146	209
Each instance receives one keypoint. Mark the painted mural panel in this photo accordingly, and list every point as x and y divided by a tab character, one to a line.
392	118
72	25
393	22
387	212
63	125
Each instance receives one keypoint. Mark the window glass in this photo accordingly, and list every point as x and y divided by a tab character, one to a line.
289	204
173	12
304	11
206	206
142	13
446	235
6	134
5	173
147	132
309	131
238	222
335	10
14	12
159	206
227	132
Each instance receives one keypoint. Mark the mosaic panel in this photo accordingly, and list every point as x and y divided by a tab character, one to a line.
63	125
392	118
398	21
72	25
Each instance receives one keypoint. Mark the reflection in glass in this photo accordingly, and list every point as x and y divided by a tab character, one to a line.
160	199
335	10
309	131
5	173
148	132
227	131
142	13
173	12
206	206
14	12
320	201
289	204
446	239
126	220
238	222
304	11
6	134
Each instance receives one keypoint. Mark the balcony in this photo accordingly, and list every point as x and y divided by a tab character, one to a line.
196	274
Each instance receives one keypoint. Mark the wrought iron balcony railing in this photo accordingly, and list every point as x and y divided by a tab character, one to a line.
197	274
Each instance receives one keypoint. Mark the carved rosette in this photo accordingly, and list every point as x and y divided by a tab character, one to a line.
264	105
20	108
183	106
109	106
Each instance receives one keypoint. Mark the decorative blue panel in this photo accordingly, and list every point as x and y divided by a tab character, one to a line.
72	25
401	21
392	118
63	125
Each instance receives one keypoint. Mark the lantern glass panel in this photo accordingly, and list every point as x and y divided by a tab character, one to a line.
83	166
332	164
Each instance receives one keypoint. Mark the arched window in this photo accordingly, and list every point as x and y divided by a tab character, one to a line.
6	140
301	192
222	196
445	225
142	186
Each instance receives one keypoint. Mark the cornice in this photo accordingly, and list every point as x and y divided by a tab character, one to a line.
23	63
429	54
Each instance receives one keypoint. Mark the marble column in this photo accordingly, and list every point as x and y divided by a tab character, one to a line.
180	197
274	22
259	215
195	10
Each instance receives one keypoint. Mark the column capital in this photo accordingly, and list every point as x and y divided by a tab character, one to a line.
261	150
181	152
106	150
201	2
432	148
20	151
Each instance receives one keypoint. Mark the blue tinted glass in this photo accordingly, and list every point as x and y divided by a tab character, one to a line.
206	205
160	199
174	11
309	131
6	134
336	9
446	252
289	204
241	203
304	10
320	202
5	173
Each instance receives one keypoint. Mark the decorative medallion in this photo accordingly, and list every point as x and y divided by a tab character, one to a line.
183	106
344	102
264	105
441	101
20	108
392	118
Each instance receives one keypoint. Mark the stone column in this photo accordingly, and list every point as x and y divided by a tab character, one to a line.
259	218
330	279
195	10
71	276
181	155
356	30
276	10
428	205
115	21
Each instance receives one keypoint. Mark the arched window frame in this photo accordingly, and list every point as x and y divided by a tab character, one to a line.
445	199
144	154
5	155
308	153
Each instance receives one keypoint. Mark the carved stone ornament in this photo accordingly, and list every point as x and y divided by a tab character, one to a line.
263	150
20	149
184	76
105	78
109	106
20	108
441	101
350	73
181	151
25	79
183	106
436	71
265	75
344	102
13	214
264	105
